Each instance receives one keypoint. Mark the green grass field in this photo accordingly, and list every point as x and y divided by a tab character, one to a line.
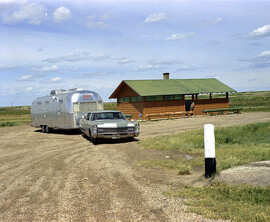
15	116
251	101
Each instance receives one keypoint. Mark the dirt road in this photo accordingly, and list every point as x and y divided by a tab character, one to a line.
63	177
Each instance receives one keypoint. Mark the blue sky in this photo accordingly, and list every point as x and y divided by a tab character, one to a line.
94	45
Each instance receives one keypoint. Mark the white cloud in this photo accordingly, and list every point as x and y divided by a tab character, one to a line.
25	78
92	74
100	56
156	17
31	12
95	21
48	68
56	79
52	80
211	22
262	60
6	67
164	61
264	54
263	31
61	14
15	2
144	68
29	89
124	61
99	24
252	79
29	78
70	57
180	36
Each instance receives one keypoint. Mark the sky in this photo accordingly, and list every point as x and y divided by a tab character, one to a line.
95	44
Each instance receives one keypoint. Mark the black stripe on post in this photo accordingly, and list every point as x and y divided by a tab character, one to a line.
209	150
210	167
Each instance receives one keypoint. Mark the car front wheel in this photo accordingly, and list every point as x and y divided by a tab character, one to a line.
92	139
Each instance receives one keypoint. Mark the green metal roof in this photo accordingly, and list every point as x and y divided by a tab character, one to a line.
177	86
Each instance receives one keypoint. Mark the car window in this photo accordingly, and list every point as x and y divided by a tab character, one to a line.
93	117
108	116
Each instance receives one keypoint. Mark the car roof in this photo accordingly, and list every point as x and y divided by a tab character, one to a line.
106	111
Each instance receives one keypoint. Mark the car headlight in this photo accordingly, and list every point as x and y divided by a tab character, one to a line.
94	129
137	128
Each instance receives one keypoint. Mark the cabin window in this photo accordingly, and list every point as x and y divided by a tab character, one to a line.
136	99
133	99
169	97
158	98
139	98
178	97
127	99
47	105
150	98
39	106
76	107
120	100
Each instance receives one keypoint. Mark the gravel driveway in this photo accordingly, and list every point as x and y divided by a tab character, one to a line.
63	177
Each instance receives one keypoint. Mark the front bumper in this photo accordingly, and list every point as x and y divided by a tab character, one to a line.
115	136
117	133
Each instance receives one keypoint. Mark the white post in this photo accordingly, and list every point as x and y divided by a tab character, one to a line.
209	150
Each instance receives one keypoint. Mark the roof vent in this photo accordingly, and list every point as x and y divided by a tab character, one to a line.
75	89
58	91
166	75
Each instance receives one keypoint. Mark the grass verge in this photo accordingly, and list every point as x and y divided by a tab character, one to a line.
234	146
236	203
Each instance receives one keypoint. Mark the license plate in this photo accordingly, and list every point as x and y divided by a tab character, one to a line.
116	137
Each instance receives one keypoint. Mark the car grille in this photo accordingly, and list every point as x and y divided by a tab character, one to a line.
121	130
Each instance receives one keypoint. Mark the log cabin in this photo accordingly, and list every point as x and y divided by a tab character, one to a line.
170	96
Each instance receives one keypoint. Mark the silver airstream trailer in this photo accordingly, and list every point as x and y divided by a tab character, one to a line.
63	109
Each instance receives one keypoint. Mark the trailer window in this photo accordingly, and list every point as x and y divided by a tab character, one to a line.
61	104
88	106
47	105
76	107
39	106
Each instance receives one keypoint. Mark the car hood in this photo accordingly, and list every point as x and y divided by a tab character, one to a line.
114	123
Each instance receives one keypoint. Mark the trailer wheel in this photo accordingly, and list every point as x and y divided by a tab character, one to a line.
47	129
43	129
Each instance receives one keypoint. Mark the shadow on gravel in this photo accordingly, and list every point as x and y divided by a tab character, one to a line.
62	131
110	141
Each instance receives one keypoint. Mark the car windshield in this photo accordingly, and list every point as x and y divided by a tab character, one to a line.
108	116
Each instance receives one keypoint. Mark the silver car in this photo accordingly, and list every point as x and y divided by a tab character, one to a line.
108	125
